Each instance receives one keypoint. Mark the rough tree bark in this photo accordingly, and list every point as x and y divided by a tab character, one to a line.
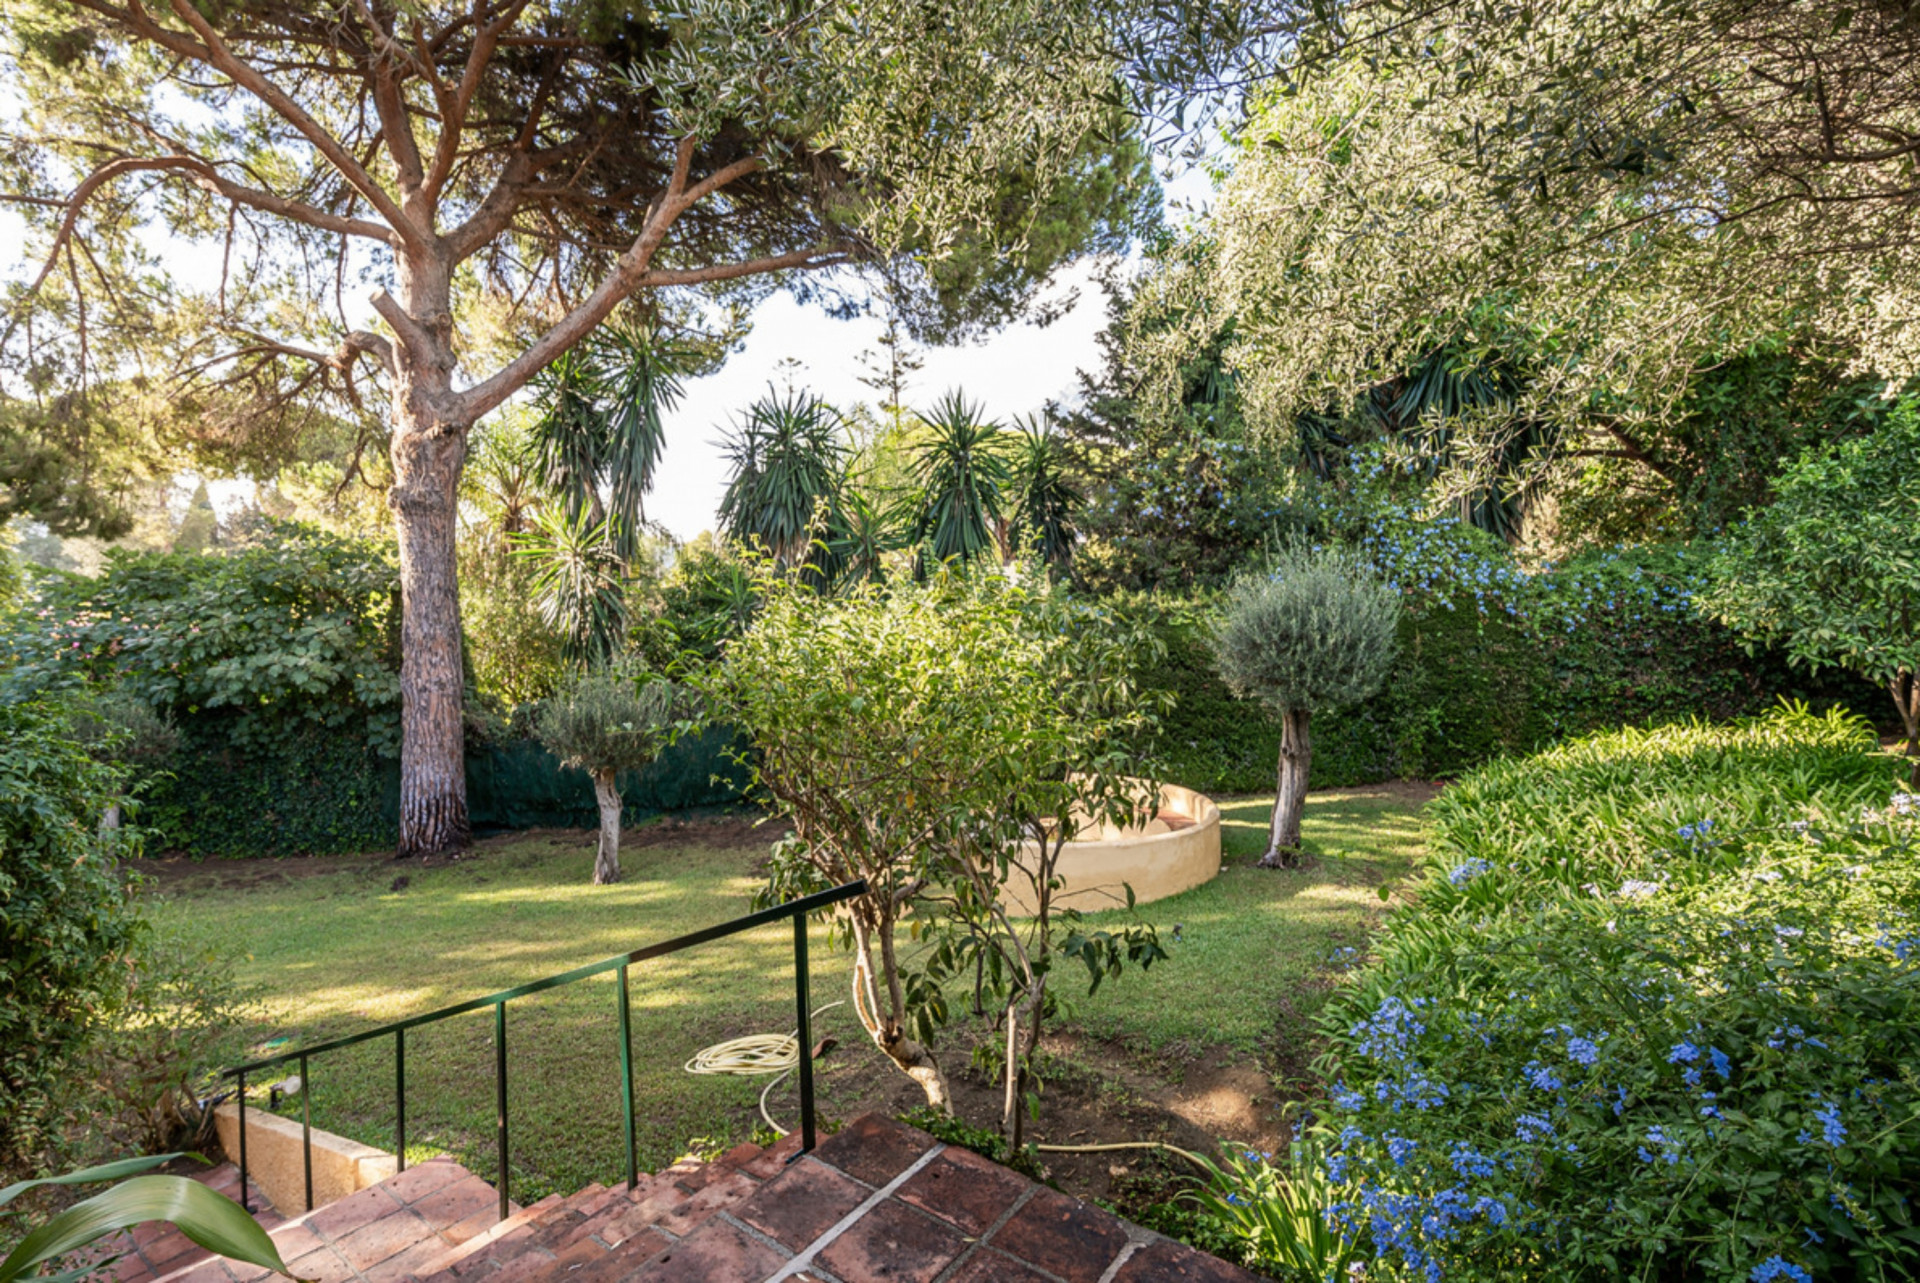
1289	792
606	857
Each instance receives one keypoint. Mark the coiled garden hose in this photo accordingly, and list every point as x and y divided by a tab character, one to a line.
1187	1154
755	1054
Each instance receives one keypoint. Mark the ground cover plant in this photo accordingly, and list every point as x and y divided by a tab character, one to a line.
1651	1014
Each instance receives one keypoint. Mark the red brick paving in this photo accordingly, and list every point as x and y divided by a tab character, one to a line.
878	1203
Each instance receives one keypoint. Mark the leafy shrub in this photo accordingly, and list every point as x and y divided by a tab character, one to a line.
295	631
1654	1012
1491	661
65	924
181	1013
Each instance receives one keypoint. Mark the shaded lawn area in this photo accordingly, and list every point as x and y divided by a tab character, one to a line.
336	945
1251	959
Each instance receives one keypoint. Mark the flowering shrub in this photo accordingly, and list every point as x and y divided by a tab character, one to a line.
1655	1011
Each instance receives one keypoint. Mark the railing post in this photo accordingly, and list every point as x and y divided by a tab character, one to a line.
626	1079
804	1019
240	1095
500	1094
306	1129
400	1100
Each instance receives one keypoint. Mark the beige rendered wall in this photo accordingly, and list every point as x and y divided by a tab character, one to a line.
340	1166
1095	875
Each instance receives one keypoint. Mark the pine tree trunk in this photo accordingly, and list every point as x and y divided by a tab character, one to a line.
606	859
1289	792
429	448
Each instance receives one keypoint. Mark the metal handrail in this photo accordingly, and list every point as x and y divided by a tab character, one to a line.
797	910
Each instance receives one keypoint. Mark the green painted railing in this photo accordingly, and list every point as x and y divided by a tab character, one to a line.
797	910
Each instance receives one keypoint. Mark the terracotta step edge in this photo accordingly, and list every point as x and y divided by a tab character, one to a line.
488	1237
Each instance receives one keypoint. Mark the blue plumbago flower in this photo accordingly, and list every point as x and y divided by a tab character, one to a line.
1813	1235
1691	1078
1467	871
1542	1077
1619	1101
1470	1162
1582	1051
1683	1051
1399	1148
1775	1267
1722	1063
1668	1146
1532	1127
1344	1097
1832	1130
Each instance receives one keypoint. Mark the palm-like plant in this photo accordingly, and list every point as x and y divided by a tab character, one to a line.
860	533
787	464
209	1219
503	475
580	583
962	476
602	425
1044	499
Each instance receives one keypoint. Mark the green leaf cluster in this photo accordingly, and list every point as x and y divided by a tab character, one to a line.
1314	632
299	629
66	923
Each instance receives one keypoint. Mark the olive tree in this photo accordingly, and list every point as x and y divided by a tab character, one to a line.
604	722
502	177
1831	569
1313	634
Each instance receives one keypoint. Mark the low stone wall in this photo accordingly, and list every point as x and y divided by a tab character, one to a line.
340	1166
1183	854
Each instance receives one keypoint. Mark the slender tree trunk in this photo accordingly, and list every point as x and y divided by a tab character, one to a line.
429	449
1906	693
887	1027
1289	792
606	860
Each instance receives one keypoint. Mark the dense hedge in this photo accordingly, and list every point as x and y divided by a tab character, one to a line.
1491	661
324	791
1653	1013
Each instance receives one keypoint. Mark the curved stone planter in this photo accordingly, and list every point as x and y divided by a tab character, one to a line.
1179	849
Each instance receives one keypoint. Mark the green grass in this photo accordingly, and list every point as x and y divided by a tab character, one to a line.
338	950
1254	941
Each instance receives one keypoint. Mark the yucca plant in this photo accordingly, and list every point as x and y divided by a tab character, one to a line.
579	583
601	425
962	476
208	1219
786	460
1044	500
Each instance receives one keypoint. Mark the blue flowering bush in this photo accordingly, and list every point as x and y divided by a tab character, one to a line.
1654	1012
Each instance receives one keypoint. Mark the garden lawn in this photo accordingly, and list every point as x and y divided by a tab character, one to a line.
337	944
1252	954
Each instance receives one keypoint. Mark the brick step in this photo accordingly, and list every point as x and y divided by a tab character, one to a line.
381	1233
602	1236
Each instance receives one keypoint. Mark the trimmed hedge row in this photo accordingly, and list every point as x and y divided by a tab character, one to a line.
326	792
1471	684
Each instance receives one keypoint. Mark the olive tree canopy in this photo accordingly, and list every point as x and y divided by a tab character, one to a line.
494	178
1314	634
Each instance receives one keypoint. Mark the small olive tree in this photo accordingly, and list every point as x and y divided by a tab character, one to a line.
1831	569
607	721
1315	633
